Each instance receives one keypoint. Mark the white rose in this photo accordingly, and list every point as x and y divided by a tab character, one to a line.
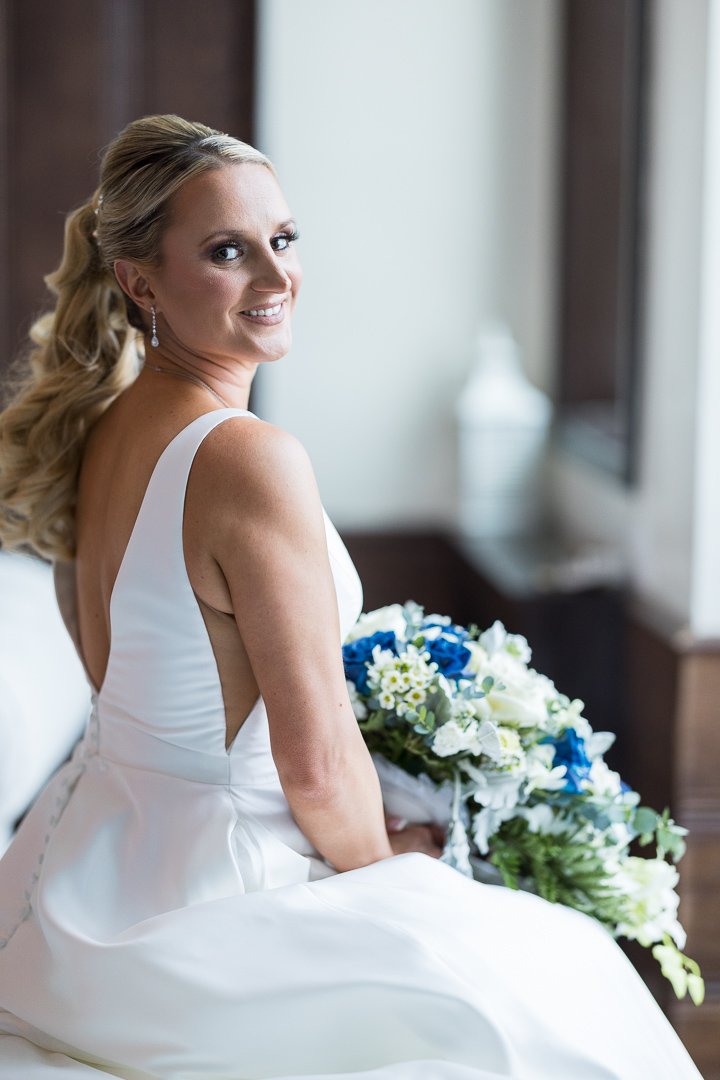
385	618
523	700
478	657
493	639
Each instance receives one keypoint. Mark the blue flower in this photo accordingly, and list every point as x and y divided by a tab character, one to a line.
570	751
451	657
358	654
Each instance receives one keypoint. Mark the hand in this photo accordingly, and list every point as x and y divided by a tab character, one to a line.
428	839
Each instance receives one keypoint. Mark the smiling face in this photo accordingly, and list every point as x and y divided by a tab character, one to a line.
228	251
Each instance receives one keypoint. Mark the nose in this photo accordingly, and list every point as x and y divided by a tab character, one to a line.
270	274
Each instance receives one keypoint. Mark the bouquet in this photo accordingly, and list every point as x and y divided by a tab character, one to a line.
463	732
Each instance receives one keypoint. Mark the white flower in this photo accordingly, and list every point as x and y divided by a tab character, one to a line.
483	739
493	639
496	790
444	620
403	682
416	696
651	903
510	746
359	707
520	696
391	680
602	780
462	711
497	639
419	677
478	657
541	776
386	700
542	819
449	739
486	823
385	618
598	743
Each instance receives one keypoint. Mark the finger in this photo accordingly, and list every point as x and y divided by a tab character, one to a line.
393	823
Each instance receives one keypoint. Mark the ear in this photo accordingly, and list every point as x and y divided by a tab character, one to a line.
135	281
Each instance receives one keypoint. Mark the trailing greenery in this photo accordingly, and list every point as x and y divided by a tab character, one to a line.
562	870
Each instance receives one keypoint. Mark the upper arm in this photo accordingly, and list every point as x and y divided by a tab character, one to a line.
266	532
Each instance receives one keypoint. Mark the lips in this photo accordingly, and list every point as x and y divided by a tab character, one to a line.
267	310
268	315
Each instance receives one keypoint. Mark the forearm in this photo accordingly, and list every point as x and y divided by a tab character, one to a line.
344	816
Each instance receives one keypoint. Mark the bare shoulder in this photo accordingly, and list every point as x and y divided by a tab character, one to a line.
251	465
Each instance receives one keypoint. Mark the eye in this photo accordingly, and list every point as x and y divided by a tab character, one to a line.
227	253
282	241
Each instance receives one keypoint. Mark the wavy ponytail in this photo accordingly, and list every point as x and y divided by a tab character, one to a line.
89	349
82	355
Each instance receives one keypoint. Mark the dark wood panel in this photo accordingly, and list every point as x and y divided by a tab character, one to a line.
200	62
76	72
53	133
604	92
699	1029
395	567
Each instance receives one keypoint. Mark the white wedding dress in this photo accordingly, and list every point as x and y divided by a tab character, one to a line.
162	915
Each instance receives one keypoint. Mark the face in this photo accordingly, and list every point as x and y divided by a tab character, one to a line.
229	250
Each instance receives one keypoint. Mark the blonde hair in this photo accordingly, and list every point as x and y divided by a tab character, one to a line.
88	349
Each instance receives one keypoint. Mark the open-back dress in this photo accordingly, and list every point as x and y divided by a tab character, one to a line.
162	914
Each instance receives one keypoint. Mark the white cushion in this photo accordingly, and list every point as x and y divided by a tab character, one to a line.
44	694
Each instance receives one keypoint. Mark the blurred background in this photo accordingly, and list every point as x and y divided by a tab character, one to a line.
505	365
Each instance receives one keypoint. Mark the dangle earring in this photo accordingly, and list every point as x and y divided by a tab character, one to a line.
154	339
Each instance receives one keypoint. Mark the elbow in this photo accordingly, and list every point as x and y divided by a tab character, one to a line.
315	779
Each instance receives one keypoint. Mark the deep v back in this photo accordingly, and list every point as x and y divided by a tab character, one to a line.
161	701
160	704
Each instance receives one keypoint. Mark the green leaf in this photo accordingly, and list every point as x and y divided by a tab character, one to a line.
645	820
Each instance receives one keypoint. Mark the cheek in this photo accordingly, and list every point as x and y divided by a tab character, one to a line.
207	289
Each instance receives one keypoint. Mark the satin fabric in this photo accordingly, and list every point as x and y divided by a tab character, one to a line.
163	916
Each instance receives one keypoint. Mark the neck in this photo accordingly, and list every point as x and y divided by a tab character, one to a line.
230	385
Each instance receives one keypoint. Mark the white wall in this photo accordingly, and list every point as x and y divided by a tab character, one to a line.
415	144
704	615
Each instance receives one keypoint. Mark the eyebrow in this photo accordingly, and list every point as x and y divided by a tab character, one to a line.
224	233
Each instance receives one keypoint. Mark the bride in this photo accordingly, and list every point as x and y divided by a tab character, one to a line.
208	889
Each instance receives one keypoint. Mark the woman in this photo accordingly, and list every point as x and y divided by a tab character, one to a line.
208	889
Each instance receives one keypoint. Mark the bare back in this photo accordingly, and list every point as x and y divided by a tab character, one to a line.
119	459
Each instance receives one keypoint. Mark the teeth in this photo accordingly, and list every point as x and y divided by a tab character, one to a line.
264	311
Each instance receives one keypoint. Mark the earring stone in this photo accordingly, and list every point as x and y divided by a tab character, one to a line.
154	341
